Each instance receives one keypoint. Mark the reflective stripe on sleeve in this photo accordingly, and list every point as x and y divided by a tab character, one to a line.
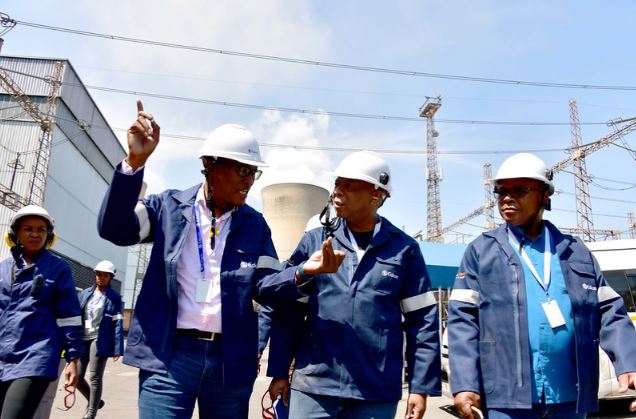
70	321
118	317
144	221
417	302
606	293
465	296
268	262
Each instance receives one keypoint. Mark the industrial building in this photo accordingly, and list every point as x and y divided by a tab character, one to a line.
57	150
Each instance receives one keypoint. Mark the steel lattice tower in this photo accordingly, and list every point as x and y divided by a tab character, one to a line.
581	179
631	224
433	177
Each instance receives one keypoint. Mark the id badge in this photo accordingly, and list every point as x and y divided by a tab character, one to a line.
204	291
553	313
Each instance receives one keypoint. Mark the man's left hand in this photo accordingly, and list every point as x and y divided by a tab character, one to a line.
625	382
415	406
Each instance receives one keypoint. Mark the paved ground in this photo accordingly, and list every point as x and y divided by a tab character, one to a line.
120	394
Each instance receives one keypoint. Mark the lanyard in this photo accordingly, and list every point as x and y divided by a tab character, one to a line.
354	244
545	282
197	223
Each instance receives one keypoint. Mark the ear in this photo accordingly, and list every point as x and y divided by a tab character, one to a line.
377	196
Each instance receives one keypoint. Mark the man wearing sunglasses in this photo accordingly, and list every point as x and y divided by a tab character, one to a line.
194	331
528	310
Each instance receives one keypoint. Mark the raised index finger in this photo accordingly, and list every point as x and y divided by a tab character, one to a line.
140	106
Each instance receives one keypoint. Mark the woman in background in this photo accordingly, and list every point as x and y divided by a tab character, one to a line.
103	334
39	315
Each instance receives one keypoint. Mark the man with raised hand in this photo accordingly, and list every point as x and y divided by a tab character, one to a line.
194	331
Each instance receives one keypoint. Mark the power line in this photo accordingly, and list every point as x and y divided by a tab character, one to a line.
596	214
348	91
351	149
601	198
303	111
321	63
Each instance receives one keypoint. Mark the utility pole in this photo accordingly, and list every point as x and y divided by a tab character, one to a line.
489	198
581	179
433	176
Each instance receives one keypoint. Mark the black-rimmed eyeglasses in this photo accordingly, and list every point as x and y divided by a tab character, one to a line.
243	170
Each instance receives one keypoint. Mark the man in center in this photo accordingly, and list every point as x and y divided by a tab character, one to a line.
349	345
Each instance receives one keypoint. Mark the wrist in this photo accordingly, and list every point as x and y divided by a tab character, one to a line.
135	162
301	275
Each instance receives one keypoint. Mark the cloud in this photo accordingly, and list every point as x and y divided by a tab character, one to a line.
293	164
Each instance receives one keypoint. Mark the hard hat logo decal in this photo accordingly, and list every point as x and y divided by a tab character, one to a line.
384	178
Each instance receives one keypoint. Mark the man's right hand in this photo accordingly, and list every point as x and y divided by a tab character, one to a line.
464	401
324	261
143	137
279	386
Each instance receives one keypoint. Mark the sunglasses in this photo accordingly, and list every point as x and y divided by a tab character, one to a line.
516	192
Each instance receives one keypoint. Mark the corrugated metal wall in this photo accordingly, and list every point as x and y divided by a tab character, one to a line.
83	156
33	69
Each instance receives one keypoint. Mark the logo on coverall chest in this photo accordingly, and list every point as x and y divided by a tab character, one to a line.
389	274
246	265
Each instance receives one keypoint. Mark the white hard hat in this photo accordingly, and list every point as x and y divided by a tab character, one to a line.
32	210
367	166
234	142
105	266
525	165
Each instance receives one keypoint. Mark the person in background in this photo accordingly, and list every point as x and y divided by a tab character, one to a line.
370	290
528	310
102	315
39	315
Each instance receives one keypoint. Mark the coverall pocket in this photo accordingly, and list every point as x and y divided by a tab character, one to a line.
586	277
388	278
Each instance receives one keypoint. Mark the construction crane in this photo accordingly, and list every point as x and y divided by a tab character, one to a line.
433	176
46	122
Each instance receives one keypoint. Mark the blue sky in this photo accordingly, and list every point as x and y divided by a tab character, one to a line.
566	41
